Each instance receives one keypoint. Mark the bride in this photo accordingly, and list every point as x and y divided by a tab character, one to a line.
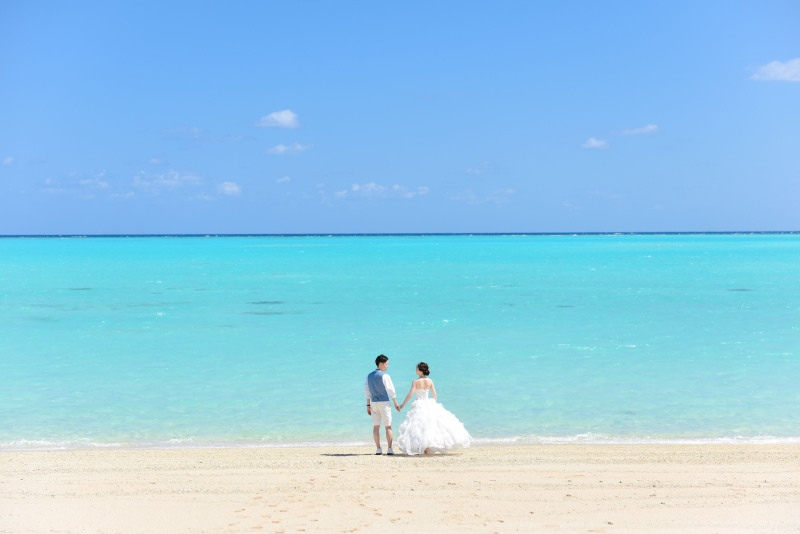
429	427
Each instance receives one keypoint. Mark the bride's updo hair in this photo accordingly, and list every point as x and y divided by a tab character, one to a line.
422	366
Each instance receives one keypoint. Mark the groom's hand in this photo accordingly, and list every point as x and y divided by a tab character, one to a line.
369	410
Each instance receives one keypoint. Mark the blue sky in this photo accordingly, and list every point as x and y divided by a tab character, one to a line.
305	117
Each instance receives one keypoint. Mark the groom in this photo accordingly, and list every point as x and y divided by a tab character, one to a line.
379	389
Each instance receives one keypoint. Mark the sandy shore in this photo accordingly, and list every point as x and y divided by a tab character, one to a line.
545	488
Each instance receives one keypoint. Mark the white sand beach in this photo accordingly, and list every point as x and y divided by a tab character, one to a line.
545	488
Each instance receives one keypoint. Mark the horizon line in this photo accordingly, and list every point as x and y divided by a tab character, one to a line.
402	234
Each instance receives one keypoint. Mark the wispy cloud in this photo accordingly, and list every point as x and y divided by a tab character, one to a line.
94	183
595	143
283	180
372	189
777	71
77	184
8	161
51	187
294	148
229	188
644	130
279	119
171	179
498	196
483	168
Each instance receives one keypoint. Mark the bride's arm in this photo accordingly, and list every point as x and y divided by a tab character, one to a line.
411	392
433	390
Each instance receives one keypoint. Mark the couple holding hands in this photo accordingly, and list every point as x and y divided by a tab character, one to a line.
428	427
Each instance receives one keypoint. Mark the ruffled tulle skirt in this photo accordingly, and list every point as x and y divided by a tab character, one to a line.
429	425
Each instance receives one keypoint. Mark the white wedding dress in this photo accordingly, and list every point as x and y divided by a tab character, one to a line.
429	425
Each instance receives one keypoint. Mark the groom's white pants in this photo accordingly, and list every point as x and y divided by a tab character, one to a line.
381	413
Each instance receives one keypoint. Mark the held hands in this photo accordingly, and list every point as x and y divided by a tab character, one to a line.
398	407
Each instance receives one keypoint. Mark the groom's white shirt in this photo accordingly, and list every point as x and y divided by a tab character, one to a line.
387	384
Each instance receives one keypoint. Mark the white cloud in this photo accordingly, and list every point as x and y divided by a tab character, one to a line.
279	119
94	183
295	148
283	180
8	161
372	189
122	196
229	188
644	130
595	143
788	71
171	179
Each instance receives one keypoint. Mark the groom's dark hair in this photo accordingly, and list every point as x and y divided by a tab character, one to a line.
381	359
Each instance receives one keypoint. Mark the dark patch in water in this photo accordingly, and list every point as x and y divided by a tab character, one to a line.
268	302
266	313
80	288
741	289
44	319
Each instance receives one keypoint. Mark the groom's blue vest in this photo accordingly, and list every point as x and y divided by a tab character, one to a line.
376	389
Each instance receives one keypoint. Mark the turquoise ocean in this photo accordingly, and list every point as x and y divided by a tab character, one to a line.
266	340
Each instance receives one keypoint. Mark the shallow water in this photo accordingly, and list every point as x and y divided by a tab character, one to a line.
266	340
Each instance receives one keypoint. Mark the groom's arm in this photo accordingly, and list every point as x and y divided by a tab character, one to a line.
387	383
368	395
